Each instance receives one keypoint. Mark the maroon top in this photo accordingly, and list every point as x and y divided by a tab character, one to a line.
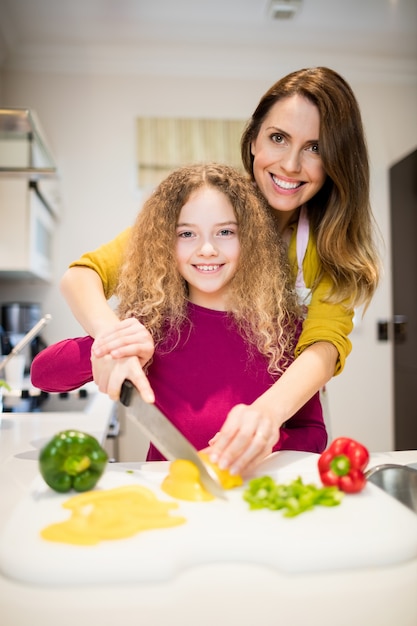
210	370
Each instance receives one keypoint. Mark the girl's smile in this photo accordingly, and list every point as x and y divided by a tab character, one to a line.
208	268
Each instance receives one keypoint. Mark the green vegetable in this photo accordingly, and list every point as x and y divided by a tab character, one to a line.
72	460
293	498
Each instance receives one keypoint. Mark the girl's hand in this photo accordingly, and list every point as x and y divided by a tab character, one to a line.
109	375
245	439
127	338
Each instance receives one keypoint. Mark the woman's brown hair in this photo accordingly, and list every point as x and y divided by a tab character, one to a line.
340	214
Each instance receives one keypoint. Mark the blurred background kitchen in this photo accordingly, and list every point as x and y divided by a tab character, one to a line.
87	76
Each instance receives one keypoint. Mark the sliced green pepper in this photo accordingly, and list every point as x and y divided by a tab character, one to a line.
292	498
72	460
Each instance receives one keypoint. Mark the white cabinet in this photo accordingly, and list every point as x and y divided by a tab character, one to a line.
26	231
130	444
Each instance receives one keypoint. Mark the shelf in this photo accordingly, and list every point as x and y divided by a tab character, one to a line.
24	150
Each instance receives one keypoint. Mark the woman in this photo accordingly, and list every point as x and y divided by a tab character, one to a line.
201	243
305	149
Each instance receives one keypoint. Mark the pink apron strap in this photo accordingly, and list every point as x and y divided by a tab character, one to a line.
303	230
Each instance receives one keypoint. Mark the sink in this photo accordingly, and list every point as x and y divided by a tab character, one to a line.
399	481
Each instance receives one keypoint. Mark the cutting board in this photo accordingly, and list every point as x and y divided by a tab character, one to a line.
368	529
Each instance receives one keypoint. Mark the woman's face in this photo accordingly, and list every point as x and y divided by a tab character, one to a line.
208	247
287	165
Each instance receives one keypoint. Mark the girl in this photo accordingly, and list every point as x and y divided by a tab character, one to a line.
206	273
305	149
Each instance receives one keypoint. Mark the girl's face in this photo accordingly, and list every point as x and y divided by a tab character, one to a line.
287	165
208	247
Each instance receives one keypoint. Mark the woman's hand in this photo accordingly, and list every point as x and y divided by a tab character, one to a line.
126	338
250	432
109	375
245	439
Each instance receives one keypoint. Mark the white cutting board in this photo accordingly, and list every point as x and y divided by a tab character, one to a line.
369	529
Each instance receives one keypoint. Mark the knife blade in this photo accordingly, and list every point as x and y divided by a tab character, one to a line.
166	437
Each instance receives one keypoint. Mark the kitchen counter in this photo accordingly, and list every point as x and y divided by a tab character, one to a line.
23	434
206	594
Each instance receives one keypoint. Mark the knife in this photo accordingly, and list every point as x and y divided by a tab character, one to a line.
166	437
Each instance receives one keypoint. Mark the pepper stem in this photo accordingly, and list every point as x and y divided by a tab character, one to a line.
76	464
340	465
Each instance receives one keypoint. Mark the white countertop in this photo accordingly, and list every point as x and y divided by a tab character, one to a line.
211	594
23	434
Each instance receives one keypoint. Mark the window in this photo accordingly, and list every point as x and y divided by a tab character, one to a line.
164	144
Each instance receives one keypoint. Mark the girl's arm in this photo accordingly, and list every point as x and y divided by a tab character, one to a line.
69	364
250	432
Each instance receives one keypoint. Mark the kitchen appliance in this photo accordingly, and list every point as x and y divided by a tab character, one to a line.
17	319
20	346
168	439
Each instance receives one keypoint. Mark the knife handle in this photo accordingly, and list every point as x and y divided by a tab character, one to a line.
126	392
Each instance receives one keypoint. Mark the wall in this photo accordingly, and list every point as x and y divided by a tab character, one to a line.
90	123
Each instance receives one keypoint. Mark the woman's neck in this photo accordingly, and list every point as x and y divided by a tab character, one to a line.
283	219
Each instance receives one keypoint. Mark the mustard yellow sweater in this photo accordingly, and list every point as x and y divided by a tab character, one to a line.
324	321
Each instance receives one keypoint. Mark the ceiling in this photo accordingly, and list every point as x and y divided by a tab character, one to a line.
223	37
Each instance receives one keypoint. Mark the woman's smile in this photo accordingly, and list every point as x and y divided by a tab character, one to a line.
287	166
286	185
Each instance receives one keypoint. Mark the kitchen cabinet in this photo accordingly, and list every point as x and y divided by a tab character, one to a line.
24	149
29	197
127	443
27	224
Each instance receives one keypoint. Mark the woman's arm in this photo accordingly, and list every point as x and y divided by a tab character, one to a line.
88	285
82	287
91	281
250	432
83	290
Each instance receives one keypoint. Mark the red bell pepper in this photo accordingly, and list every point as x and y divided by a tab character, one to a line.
342	465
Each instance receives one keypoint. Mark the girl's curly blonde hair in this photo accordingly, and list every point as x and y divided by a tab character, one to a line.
261	298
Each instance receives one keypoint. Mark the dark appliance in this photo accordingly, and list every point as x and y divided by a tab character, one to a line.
17	319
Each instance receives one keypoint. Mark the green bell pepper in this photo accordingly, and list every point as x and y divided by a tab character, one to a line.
72	460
